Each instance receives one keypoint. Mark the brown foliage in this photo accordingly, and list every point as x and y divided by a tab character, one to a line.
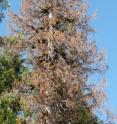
55	35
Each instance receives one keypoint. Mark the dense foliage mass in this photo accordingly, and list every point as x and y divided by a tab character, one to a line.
48	65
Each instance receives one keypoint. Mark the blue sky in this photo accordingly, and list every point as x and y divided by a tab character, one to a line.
106	37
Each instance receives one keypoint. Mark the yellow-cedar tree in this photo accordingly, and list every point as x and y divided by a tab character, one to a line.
55	36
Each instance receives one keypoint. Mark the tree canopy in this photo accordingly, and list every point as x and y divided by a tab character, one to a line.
49	64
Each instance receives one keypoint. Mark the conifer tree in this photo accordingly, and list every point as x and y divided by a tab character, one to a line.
55	38
11	71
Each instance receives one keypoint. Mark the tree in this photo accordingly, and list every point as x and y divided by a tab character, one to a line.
12	109
11	71
11	67
3	6
55	38
9	105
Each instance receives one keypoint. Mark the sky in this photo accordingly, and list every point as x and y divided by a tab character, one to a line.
105	36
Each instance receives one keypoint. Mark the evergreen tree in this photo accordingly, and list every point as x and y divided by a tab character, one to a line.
11	71
11	67
55	39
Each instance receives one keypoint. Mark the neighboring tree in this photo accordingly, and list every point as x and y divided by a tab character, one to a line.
12	108
55	40
3	6
9	105
11	67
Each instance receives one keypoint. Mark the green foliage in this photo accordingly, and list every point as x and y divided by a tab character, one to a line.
86	117
10	70
9	105
12	109
96	120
